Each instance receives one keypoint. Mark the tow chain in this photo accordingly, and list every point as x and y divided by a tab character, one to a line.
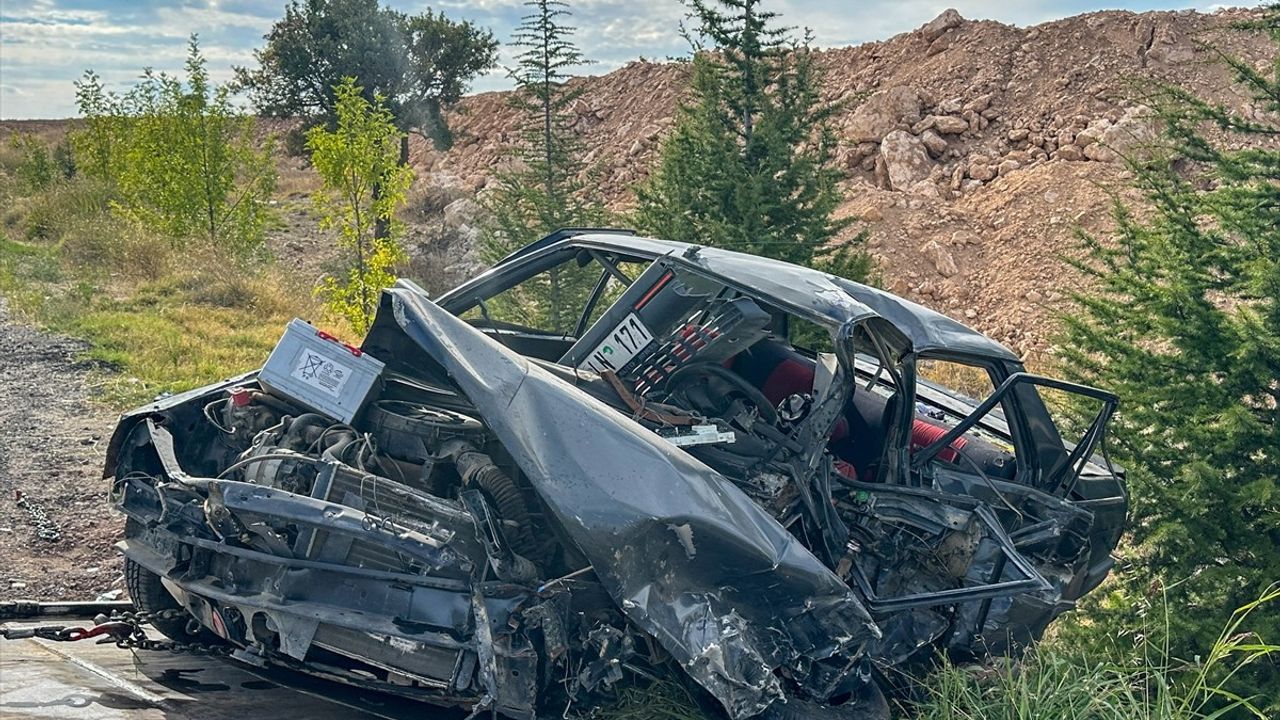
46	528
125	629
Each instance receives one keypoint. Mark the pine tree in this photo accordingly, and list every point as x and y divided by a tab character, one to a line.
749	165
548	186
1184	325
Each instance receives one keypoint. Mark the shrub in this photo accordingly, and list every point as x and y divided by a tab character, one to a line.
34	169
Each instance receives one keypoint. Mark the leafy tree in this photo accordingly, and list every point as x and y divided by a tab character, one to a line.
1184	324
364	183
418	64
749	164
99	144
549	186
183	159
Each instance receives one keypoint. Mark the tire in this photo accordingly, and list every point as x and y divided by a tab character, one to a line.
150	595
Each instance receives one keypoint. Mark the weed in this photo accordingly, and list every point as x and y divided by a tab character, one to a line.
1142	682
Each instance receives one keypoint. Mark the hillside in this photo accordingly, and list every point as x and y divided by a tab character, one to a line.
974	150
974	153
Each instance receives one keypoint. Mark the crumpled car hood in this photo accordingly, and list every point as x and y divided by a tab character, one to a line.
686	555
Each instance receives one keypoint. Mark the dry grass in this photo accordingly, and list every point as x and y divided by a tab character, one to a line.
965	379
159	318
295	180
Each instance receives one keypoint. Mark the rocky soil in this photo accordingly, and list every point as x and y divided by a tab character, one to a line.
52	441
974	150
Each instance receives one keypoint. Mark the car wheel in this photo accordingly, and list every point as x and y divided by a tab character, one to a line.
150	595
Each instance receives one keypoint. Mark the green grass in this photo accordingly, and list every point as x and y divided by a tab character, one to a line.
1138	682
157	320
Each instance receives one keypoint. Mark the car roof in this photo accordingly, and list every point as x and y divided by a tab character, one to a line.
833	297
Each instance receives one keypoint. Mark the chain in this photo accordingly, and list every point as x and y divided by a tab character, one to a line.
46	528
137	639
126	628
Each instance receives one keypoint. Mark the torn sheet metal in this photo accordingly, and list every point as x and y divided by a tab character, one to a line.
748	600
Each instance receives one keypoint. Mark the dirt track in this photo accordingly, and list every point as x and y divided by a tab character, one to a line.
52	442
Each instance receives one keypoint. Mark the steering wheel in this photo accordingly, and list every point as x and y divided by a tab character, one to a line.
710	389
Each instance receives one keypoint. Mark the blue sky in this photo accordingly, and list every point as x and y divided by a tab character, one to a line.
46	44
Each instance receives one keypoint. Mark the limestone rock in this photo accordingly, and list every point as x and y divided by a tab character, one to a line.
933	142
1068	152
1008	166
940	257
948	125
882	112
1090	134
978	104
1131	135
982	172
925	124
906	160
936	27
463	211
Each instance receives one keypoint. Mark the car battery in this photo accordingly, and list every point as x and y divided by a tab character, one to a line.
320	372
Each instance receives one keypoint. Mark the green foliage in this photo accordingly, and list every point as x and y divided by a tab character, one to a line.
1138	682
35	170
64	159
99	145
749	165
548	186
364	183
183	159
418	64
1184	325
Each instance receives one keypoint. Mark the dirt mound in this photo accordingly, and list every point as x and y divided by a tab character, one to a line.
974	149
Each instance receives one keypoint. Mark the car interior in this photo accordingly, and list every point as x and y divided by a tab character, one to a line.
691	341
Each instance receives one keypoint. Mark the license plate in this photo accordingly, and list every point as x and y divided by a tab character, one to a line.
624	343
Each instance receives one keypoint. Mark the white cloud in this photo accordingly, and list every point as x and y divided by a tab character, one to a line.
48	43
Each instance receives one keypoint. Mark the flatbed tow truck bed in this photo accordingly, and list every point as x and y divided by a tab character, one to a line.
88	681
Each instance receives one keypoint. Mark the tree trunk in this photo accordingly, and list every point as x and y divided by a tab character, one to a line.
381	227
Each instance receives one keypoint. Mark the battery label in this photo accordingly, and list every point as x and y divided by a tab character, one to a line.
321	372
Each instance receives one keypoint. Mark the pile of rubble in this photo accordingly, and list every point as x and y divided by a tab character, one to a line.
974	150
914	146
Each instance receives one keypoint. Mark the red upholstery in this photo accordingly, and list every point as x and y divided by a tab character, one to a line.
779	372
790	377
925	433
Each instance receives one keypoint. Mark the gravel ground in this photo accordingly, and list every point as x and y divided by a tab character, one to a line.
52	443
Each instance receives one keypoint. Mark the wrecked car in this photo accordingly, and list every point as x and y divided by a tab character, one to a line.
612	458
